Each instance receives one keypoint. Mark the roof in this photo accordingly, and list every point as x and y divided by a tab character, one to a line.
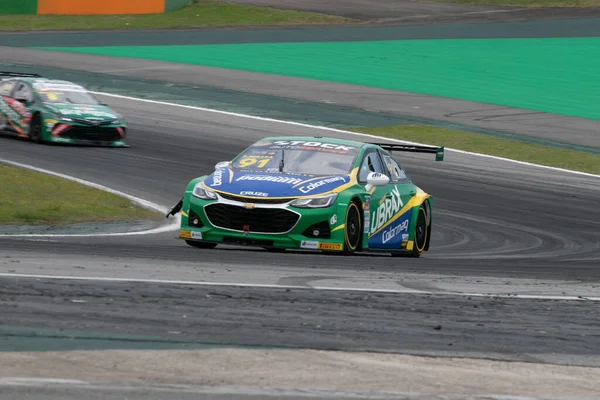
321	139
32	80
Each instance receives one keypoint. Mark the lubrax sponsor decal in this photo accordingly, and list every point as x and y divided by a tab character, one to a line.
315	185
393	231
268	178
217	178
312	144
386	210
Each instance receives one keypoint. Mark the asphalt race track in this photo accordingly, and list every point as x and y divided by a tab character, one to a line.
513	272
497	225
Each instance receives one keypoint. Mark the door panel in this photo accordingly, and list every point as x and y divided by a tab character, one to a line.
391	215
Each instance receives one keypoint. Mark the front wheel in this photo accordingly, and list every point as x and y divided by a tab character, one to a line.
35	130
201	245
353	231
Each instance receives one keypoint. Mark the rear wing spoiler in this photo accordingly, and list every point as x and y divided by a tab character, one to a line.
18	74
438	151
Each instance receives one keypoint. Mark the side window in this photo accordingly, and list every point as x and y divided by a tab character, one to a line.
6	88
397	173
22	92
371	163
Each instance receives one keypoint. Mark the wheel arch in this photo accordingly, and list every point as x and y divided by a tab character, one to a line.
428	215
356	198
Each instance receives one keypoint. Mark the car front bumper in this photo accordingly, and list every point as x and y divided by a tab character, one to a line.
237	224
86	134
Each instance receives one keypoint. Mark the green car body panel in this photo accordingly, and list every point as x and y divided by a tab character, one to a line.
329	195
56	111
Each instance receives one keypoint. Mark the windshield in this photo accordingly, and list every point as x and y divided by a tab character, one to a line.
64	93
297	157
64	96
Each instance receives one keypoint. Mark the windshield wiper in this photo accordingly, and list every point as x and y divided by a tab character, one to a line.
282	163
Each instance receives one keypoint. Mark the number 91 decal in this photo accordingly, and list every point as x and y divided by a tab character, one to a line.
259	162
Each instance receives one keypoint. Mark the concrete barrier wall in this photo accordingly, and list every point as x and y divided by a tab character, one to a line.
89	7
14	7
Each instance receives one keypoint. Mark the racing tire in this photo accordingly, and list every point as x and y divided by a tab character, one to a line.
421	238
35	130
353	230
201	245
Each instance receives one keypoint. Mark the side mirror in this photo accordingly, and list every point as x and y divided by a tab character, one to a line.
222	164
376	179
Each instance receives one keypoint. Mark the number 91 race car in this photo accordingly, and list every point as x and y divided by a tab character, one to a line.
311	193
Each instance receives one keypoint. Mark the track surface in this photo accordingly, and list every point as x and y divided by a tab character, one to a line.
408	11
498	225
493	219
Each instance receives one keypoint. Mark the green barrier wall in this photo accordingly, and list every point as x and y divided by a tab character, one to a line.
18	7
172	5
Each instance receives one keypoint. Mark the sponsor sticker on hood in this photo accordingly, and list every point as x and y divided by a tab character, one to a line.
253	184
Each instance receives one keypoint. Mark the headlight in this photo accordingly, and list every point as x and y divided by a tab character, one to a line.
115	122
201	193
315	202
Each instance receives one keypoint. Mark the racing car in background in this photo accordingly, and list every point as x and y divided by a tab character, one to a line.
311	193
49	110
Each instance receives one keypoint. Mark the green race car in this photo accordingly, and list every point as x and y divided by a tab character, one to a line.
48	110
310	193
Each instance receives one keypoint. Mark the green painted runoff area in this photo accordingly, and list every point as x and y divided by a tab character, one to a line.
557	75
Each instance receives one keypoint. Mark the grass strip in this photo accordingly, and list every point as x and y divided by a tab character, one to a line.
500	147
202	13
33	198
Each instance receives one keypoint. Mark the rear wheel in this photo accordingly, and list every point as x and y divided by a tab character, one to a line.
201	245
35	129
353	230
420	238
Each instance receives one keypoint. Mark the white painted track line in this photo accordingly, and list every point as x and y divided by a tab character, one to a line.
172	226
365	135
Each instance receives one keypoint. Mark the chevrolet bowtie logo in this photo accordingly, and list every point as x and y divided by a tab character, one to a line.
249	206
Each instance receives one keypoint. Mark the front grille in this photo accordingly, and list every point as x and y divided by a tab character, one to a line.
254	200
90	122
91	133
259	220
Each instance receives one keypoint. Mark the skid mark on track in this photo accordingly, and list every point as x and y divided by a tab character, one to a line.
328	288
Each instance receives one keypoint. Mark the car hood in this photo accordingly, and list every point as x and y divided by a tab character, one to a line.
257	184
91	112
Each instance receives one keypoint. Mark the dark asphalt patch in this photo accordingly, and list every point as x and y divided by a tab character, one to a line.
415	324
585	27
